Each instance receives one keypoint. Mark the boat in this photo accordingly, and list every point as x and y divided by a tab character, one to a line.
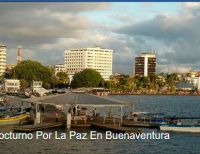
180	128
13	120
2	98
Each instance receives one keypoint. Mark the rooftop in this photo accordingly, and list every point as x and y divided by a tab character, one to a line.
80	99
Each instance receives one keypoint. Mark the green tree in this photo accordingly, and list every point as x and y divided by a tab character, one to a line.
29	70
23	84
62	77
171	80
86	78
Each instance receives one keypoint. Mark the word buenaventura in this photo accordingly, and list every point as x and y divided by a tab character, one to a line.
92	135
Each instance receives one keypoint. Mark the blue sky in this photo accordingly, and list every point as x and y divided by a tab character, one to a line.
46	30
137	11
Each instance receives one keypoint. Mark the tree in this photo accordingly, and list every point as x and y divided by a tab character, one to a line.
23	84
86	78
62	77
29	70
171	80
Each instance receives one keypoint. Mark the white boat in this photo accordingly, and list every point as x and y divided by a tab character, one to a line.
180	128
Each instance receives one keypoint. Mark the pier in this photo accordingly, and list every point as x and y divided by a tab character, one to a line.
114	128
140	124
32	128
80	110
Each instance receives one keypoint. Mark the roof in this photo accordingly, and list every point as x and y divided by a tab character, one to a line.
184	85
80	99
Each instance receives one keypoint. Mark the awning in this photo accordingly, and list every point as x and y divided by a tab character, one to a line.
79	99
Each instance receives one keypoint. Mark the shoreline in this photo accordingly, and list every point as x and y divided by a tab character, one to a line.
156	94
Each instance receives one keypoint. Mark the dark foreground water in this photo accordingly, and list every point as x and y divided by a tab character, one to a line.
181	143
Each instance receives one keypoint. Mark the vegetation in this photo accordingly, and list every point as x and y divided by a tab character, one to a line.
29	70
62	79
87	78
141	83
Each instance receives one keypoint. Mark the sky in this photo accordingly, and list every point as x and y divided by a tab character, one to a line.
46	30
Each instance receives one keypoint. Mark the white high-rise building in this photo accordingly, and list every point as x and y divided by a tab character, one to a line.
2	59
96	58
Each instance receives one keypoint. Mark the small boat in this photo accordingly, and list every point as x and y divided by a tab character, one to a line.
13	120
180	128
181	124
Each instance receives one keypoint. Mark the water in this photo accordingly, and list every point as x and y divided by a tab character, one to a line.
185	143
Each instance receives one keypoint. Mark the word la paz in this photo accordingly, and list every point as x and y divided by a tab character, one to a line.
72	135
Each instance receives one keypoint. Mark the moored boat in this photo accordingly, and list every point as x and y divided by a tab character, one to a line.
181	128
13	120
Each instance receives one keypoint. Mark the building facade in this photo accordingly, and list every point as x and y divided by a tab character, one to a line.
2	59
96	58
145	64
60	68
10	66
12	85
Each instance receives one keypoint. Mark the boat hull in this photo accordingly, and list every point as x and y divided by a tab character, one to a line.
176	128
13	120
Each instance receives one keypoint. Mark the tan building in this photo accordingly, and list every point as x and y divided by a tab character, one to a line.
96	58
10	66
12	85
60	68
2	59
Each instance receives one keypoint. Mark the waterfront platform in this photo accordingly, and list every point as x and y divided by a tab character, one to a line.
32	128
140	124
114	128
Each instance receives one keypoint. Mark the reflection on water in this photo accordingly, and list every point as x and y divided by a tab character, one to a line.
179	143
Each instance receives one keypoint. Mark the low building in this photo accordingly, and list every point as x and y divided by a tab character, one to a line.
60	68
10	66
37	88
12	86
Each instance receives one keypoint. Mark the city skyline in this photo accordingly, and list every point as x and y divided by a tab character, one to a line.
46	30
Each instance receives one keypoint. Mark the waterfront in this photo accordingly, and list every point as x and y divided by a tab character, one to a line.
179	142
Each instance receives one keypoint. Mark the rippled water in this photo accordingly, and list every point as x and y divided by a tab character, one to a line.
179	143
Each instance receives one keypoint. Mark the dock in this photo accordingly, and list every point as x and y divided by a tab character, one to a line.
32	128
80	125
139	124
114	128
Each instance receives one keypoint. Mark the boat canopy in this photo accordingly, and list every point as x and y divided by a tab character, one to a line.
79	99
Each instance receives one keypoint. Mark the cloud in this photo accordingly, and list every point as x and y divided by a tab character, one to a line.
53	7
176	38
46	30
39	25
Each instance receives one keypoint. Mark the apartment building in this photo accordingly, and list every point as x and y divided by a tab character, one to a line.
96	58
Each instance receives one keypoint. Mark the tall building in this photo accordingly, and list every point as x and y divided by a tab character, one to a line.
2	59
96	58
19	54
145	64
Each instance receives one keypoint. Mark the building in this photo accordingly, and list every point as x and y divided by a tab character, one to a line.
38	89
10	66
96	58
19	54
118	76
145	64
12	86
60	68
2	59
